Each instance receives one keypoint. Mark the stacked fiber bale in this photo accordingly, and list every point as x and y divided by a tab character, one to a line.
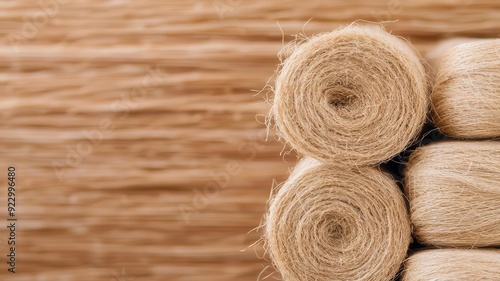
347	101
329	222
466	94
356	96
453	265
454	186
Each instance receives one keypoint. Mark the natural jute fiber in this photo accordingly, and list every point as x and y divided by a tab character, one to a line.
453	265
357	95
331	223
454	193
466	95
436	54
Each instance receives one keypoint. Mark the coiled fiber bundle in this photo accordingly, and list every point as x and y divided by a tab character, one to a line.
357	95
436	54
453	265
466	94
454	193
327	223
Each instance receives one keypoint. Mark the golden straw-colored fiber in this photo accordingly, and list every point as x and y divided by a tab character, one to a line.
453	265
454	193
135	208
357	95
466	94
436	54
333	223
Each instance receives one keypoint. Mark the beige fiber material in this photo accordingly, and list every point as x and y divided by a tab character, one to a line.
466	94
331	223
119	214
453	265
436	54
357	95
454	193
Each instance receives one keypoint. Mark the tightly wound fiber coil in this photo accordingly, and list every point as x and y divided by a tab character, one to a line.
357	95
334	223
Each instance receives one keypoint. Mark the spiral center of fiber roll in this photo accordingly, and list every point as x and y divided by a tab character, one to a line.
343	99
342	102
337	231
340	231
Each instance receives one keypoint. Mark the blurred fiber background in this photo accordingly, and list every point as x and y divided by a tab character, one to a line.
136	126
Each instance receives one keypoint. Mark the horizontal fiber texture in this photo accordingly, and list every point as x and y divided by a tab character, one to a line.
466	94
357	95
454	193
453	265
332	223
119	215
